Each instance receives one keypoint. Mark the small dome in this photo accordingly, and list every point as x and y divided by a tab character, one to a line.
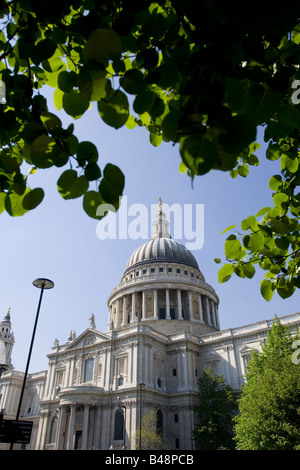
162	249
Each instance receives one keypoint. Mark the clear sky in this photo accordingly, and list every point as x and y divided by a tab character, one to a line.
59	241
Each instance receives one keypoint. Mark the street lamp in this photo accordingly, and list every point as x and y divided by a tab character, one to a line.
141	388
42	284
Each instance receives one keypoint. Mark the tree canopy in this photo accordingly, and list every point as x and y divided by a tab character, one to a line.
215	410
269	417
200	74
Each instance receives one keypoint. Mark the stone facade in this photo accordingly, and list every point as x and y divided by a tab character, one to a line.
163	330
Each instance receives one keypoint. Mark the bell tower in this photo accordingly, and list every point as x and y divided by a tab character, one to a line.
6	343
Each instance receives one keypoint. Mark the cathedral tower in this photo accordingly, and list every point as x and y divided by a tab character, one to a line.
6	343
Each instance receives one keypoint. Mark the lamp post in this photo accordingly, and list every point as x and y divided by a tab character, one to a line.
141	388
42	284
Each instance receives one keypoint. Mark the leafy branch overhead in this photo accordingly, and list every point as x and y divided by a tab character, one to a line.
201	74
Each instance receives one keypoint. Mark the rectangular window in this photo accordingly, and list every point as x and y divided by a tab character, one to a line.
89	370
175	418
176	442
174	372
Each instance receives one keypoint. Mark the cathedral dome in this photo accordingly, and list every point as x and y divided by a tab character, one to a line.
161	248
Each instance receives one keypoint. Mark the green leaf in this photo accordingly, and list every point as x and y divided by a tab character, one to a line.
232	247
143	102
43	50
261	103
155	139
249	270
134	83
266	289
14	204
256	242
102	45
239	132
289	115
92	171
86	151
112	184
285	288
225	273
289	164
263	211
70	186
50	120
114	111
42	151
227	229
66	81
198	154
275	182
2	202
91	201
249	223
75	104
33	198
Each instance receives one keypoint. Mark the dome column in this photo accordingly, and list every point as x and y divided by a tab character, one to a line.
143	305
190	301
133	298
124	310
180	317
168	316
155	302
118	322
200	309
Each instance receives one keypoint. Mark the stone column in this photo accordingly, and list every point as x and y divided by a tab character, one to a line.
208	311
118	314
85	426
155	306
168	316
133	308
124	319
97	427
200	309
71	427
109	317
60	428
179	304
143	305
191	317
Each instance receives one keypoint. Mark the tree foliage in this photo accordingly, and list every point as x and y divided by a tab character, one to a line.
269	416
215	410
199	73
151	436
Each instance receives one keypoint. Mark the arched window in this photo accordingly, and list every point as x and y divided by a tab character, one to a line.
159	422
119	425
53	429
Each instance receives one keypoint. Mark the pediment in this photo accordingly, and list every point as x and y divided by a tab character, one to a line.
87	338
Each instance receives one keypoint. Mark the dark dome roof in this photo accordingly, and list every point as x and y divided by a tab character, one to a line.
162	250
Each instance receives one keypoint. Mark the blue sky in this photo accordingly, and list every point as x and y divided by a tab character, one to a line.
59	241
